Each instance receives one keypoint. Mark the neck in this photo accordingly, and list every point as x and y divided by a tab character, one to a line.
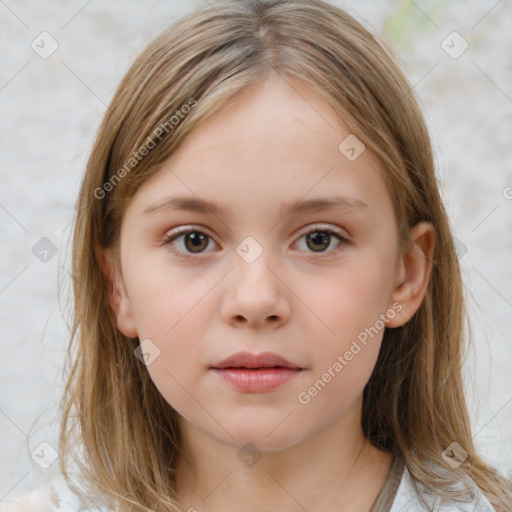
337	469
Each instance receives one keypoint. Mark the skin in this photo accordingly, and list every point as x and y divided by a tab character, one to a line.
275	143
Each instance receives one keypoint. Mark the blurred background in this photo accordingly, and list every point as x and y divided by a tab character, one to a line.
60	63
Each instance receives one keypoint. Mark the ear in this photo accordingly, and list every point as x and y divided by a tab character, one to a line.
413	274
118	299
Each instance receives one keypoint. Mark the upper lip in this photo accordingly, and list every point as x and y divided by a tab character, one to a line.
249	360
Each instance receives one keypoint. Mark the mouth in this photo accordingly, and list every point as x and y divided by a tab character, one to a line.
249	361
256	369
256	373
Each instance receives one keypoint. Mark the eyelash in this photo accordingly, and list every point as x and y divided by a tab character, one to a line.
186	231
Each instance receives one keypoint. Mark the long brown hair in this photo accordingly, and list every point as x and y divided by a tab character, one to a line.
414	401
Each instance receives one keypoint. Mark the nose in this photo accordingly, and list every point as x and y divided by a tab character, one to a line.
256	295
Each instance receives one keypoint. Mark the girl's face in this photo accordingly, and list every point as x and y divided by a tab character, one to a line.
258	276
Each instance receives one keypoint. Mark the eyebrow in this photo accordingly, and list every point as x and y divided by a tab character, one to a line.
194	204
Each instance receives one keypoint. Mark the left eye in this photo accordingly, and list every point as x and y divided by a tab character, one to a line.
195	241
321	239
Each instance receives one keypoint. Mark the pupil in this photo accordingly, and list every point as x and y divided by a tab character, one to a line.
197	239
320	237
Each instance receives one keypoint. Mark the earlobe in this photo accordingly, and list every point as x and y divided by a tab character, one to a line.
118	299
413	273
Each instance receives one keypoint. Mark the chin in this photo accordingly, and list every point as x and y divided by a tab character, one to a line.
267	434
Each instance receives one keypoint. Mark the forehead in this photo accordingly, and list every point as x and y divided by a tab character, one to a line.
276	144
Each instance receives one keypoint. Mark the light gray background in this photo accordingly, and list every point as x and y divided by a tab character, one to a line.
51	109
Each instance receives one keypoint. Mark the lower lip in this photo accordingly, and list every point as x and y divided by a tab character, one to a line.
257	380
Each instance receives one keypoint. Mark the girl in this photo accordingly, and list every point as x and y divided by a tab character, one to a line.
268	303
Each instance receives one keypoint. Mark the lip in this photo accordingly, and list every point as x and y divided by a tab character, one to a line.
249	360
257	380
256	373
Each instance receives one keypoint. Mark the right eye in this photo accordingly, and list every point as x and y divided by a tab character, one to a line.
192	241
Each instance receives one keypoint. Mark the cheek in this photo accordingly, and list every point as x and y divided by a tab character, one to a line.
351	298
342	367
351	306
174	324
172	310
163	298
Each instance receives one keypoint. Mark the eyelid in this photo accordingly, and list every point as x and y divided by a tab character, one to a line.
184	230
307	229
318	226
173	234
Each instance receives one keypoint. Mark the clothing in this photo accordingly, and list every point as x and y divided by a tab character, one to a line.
397	495
388	493
51	498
